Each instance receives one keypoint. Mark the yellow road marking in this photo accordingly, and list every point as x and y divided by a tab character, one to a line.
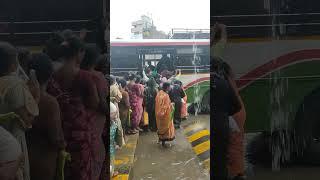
122	160
192	128
205	146
198	135
121	177
189	128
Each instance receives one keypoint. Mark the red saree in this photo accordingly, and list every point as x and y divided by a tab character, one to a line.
78	123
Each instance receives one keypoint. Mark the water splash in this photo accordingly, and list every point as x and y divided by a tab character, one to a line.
278	119
284	141
196	89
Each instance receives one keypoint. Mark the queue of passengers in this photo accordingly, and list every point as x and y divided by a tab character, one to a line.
151	102
53	111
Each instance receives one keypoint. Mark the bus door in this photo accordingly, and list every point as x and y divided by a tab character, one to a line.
154	55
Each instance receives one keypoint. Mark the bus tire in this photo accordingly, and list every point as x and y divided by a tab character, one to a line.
258	149
205	103
306	127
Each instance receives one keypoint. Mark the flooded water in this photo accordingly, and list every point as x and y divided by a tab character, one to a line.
177	162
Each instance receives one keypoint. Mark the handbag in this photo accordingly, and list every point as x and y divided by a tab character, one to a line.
145	118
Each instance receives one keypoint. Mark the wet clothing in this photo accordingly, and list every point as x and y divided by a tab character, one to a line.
45	139
225	103
176	95
166	131
78	122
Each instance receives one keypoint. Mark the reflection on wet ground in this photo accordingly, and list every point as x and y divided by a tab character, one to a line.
178	162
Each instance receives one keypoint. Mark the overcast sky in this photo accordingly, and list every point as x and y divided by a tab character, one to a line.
167	14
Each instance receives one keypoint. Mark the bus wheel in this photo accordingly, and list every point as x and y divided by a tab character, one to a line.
307	130
205	103
258	149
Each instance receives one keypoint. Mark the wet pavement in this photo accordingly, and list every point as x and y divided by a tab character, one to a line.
177	162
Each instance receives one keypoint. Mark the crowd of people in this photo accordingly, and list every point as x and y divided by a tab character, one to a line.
144	102
53	111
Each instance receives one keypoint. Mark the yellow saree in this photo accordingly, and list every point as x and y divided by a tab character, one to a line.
164	119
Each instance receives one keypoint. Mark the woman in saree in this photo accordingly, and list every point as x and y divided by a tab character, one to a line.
184	108
150	98
140	98
164	116
76	93
17	97
113	131
124	106
236	151
45	139
89	63
135	95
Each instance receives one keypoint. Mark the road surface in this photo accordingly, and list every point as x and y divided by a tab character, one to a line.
178	162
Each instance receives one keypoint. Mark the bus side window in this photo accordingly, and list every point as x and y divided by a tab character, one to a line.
205	60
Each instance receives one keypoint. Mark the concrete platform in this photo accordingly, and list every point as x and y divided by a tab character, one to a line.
125	158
